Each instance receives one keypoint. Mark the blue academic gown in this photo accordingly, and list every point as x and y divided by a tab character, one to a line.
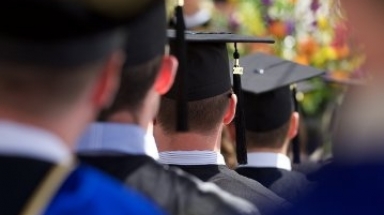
87	191
347	189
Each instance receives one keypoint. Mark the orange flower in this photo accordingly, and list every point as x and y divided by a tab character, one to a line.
343	51
278	29
308	47
302	59
340	75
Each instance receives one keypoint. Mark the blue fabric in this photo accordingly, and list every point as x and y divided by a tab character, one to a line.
113	137
87	191
345	190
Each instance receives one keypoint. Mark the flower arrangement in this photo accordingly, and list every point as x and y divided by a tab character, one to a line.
310	32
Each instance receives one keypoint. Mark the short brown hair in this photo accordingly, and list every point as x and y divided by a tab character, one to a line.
134	85
270	139
203	115
43	90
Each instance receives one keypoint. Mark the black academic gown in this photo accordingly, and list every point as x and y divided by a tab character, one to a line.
20	176
171	189
290	185
230	181
307	167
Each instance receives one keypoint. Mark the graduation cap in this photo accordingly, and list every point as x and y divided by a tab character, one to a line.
63	33
208	73
269	93
147	35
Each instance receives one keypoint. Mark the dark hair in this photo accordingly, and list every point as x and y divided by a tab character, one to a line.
43	90
134	85
203	115
270	139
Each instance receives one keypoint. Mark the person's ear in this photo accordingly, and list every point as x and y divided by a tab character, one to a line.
293	125
231	110
108	81
167	74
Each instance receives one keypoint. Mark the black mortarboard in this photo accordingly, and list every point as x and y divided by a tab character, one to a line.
269	98
265	73
208	72
147	35
62	33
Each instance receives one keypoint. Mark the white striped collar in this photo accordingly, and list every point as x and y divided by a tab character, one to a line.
32	142
191	158
268	159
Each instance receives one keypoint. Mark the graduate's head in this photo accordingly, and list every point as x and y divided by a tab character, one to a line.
203	88
270	106
148	70
64	70
211	102
271	121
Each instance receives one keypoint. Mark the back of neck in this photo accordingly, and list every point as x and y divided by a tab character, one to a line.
188	142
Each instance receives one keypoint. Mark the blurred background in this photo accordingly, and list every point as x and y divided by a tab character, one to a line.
310	32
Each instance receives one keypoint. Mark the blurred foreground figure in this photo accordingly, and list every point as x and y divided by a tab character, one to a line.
116	144
353	182
59	65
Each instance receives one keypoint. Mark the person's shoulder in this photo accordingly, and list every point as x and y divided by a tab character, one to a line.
88	191
298	176
247	188
191	193
232	178
230	175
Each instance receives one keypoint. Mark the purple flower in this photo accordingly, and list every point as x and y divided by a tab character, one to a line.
233	23
290	25
267	2
315	5
314	24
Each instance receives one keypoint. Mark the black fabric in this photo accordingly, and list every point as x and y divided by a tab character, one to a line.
18	181
229	180
59	33
147	35
53	21
307	167
267	111
289	185
117	164
219	37
207	71
64	54
181	80
173	190
241	142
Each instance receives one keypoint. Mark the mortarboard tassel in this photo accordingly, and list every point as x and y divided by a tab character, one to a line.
241	150
182	105
295	140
